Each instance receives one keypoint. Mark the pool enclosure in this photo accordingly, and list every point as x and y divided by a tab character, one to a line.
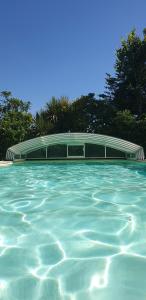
75	146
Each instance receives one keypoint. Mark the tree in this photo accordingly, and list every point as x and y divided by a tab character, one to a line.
58	111
127	89
15	121
55	117
84	113
123	125
42	125
91	115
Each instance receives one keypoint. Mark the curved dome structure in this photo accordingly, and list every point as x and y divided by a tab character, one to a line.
75	145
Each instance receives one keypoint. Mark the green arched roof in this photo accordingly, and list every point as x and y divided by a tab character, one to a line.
74	139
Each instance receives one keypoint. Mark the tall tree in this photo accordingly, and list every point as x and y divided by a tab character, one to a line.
91	115
127	89
42	125
58	112
15	121
55	117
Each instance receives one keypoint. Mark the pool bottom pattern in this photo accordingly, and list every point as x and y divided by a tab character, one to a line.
73	232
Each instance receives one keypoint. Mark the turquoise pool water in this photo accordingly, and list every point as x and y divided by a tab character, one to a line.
73	231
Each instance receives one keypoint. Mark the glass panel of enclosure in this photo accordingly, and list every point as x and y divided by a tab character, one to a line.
92	150
37	154
57	151
110	152
76	150
64	151
130	155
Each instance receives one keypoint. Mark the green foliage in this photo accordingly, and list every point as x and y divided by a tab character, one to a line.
15	121
123	125
127	89
85	114
55	117
42	124
91	115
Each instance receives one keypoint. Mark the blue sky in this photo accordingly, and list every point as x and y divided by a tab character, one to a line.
62	47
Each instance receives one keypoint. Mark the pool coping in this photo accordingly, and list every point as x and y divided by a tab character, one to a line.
5	163
8	163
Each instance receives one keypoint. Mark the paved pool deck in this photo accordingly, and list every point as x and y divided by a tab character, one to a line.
5	163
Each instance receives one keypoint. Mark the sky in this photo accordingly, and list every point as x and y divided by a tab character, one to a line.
62	47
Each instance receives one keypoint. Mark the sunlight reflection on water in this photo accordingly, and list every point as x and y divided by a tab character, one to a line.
73	232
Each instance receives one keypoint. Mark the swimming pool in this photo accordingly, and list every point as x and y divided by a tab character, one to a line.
73	231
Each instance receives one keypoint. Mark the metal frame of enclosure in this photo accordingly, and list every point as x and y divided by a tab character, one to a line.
75	146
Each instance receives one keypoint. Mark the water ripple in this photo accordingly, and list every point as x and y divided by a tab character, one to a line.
73	232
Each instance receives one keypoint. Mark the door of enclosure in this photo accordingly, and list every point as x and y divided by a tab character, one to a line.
75	151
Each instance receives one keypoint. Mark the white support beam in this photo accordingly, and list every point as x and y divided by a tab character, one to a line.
105	152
